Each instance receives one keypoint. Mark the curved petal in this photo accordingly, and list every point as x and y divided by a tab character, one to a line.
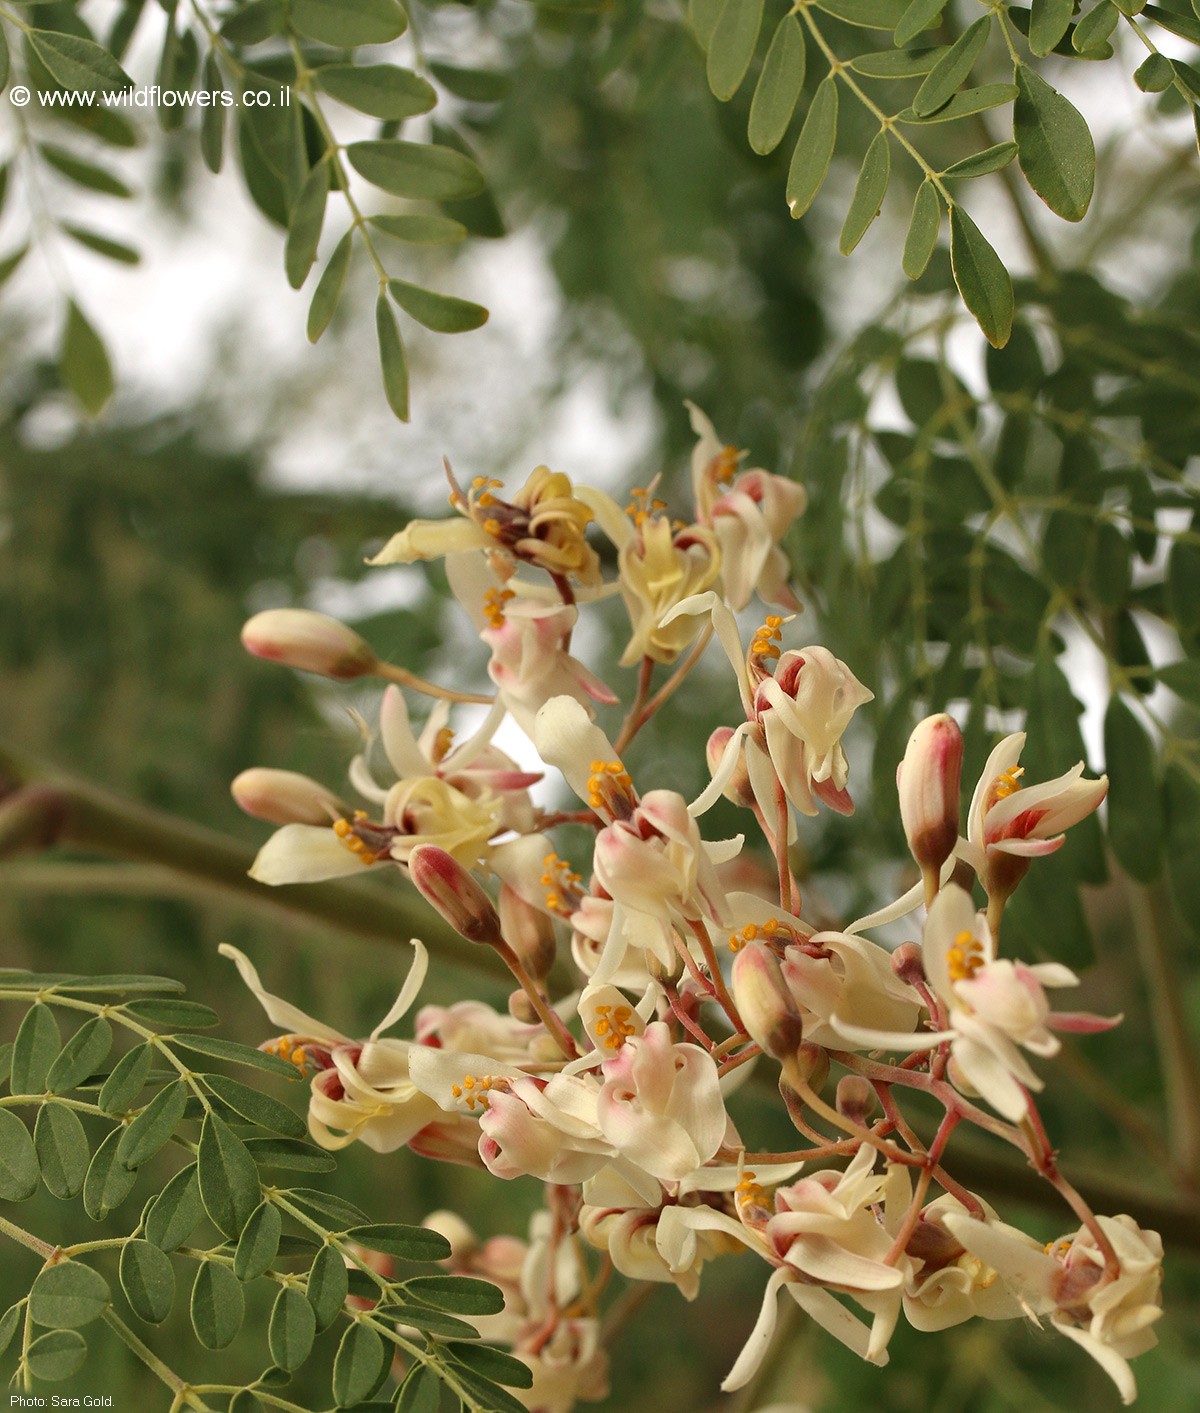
280	1012
303	853
408	992
759	1341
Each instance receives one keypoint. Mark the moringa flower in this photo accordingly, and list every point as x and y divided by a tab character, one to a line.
543	525
993	1008
361	1089
1008	824
749	512
1111	1318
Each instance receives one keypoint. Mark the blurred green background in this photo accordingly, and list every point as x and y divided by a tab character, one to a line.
133	550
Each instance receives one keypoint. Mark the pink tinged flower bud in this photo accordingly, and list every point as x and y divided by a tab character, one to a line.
443	882
738	788
855	1098
285	797
309	642
528	932
765	1004
928	780
908	962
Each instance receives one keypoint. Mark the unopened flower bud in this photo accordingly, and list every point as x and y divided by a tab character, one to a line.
855	1098
520	1007
448	886
738	789
928	780
528	932
931	1243
285	797
309	642
462	1239
909	964
764	1002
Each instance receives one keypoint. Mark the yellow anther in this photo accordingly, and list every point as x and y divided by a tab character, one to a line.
493	604
345	831
965	957
486	501
478	482
614	1024
442	743
604	776
1008	782
491	526
725	464
298	1057
766	637
474	1090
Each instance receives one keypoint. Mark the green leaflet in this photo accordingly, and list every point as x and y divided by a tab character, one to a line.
869	191
921	14
218	1305
981	278
1048	21
814	149
151	1130
18	1159
229	1185
57	1355
392	362
923	228
416	169
81	1056
407	1242
360	1365
991	159
732	45
62	1150
779	86
34	1050
1054	146
108	1182
257	1107
346	23
77	63
304	227
441	312
259	1242
68	1295
952	69
383	91
329	288
148	1280
328	1284
176	1211
292	1329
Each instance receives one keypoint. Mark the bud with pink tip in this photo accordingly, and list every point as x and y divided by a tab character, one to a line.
908	962
309	642
855	1098
448	886
764	1001
285	797
928	779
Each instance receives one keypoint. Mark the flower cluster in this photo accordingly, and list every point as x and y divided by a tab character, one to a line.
652	978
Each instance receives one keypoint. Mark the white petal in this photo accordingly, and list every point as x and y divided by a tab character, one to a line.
567	739
279	1012
408	992
1110	1361
303	853
755	1348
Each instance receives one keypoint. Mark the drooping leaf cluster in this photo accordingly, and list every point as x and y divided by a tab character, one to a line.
905	68
137	1101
